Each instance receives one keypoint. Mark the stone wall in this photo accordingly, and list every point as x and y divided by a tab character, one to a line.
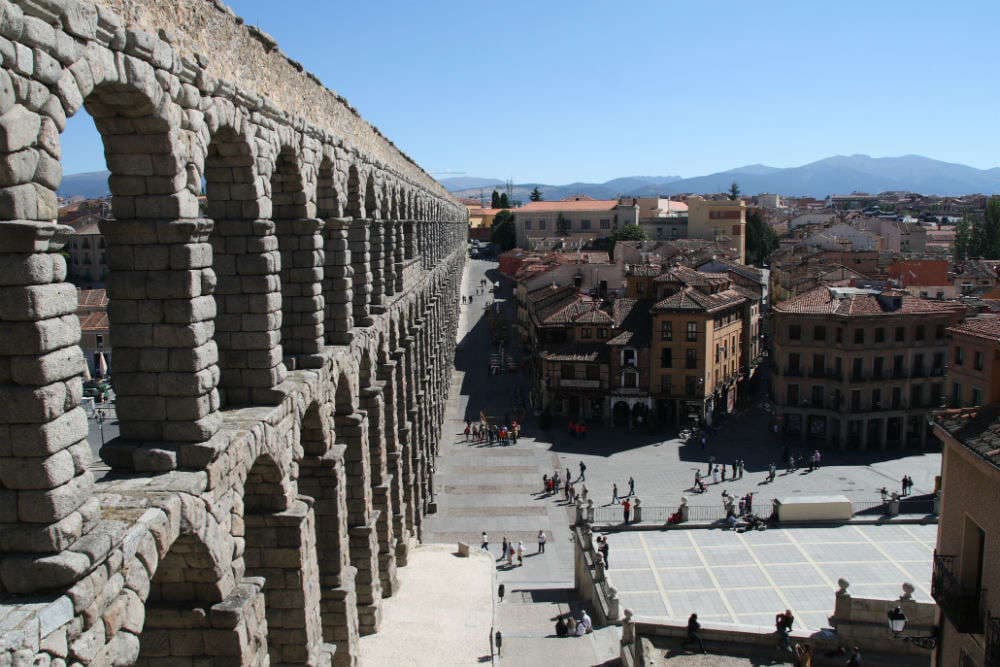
282	347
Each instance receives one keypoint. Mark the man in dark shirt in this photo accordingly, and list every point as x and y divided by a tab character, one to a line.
694	627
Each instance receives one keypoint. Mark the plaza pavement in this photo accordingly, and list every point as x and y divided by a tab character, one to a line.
747	578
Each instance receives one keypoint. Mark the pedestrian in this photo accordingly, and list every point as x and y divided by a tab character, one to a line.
468	429
702	442
545	483
541	541
741	468
485	546
715	475
693	634
818	457
498	639
604	552
749	503
510	554
626	508
711	464
503	551
567	475
520	553
771	472
631	486
903	485
501	589
584	493
583	471
566	490
614	493
723	472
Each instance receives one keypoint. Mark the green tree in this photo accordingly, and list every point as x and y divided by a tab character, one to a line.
504	202
963	239
562	225
761	239
630	232
502	232
536	194
495	200
734	191
985	237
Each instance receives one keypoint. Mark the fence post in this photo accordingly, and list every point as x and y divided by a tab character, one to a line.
894	505
590	511
683	510
638	511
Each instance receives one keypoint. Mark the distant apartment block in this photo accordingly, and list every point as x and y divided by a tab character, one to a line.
576	219
717	219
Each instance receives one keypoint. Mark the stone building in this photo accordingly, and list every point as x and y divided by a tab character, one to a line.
963	583
281	357
718	219
577	219
860	368
974	363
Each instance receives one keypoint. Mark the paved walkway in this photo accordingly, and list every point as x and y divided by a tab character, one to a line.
441	615
747	578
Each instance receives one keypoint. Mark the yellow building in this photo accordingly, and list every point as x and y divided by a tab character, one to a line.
715	219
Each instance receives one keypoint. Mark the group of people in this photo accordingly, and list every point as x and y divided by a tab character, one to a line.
570	626
602	548
509	549
552	484
716	472
483	431
907	484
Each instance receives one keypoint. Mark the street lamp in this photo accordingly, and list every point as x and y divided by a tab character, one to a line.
897	622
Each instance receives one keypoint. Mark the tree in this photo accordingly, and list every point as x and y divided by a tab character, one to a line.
504	201
985	236
963	239
761	239
502	232
536	194
495	200
734	191
562	225
630	232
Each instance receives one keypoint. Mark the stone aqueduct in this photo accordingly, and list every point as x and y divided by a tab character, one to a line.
282	347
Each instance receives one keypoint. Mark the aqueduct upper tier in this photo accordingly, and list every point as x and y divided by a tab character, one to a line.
283	290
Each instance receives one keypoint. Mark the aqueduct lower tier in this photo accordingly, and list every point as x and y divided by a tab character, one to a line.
283	286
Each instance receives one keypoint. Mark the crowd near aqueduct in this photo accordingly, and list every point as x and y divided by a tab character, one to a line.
283	286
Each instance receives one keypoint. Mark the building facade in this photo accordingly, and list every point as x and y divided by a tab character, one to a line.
860	368
718	218
574	219
974	362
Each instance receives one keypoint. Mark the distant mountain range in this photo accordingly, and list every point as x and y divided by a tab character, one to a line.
840	174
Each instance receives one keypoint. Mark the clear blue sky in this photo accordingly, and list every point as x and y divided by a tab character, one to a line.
590	90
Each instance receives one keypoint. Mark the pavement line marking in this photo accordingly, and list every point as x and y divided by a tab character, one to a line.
767	575
909	577
711	574
810	561
656	576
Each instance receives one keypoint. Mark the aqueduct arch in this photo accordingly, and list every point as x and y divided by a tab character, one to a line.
280	348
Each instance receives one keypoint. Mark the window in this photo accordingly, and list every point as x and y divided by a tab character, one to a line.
900	334
978	362
793	362
977	396
917	396
666	330
878	366
793	394
939	331
959	355
630	380
938	362
817	396
666	386
819	334
819	364
879	336
666	358
918	364
897	365
897	398
567	372
585	225
918	333
859	336
718	353
100	339
794	332
542	224
856	368
876	399
956	395
856	400
602	333
605	224
593	372
527	224
690	359
692	331
628	357
585	332
736	230
840	335
691	385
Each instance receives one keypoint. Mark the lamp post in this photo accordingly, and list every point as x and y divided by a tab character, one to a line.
897	623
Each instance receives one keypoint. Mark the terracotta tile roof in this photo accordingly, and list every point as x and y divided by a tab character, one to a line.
644	270
594	316
693	300
848	302
633	318
692	278
93	321
576	352
980	327
92	298
549	292
920	272
555	206
978	429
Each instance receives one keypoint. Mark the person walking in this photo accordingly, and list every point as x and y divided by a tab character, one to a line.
498	640
468	429
545	483
501	589
485	546
742	466
583	471
503	551
510	554
771	472
711	464
626	508
631	486
693	633
604	552
614	493
715	475
568	477
520	553
541	541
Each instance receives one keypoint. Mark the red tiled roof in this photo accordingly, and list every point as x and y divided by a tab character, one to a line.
980	327
92	298
822	300
549	206
691	299
920	272
94	321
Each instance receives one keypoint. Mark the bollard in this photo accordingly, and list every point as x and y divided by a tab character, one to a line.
637	514
683	510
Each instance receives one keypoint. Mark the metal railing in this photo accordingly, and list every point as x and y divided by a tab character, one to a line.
962	604
613	515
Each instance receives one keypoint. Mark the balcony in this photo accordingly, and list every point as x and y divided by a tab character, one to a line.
961	604
580	384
